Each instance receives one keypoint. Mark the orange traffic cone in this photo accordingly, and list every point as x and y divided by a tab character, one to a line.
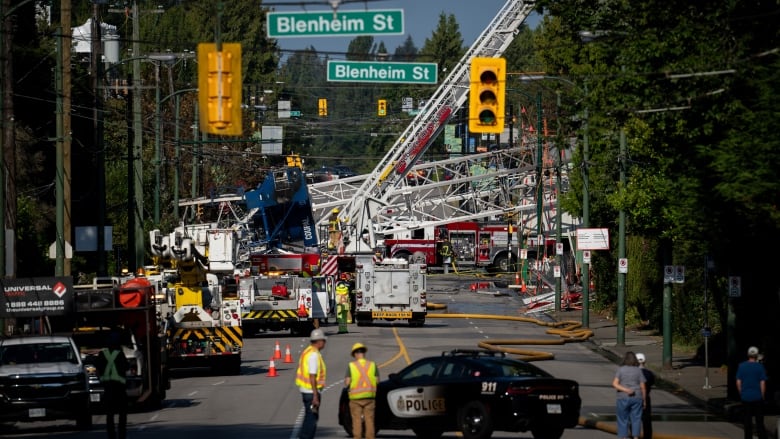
523	288
287	355
272	369
277	352
517	278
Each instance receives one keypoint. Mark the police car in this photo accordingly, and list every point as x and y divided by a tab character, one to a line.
474	392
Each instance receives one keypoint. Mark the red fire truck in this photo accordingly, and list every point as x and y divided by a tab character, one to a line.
472	243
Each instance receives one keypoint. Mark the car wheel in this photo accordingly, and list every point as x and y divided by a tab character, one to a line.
84	421
474	421
547	433
427	433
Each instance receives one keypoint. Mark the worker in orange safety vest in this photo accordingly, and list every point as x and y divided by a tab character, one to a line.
361	380
310	379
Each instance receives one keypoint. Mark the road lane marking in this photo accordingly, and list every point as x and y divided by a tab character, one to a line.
402	352
192	393
302	412
218	383
154	418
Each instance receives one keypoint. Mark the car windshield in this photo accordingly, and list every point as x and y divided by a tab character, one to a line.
37	353
98	340
509	368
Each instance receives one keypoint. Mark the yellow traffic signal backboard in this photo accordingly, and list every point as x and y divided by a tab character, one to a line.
486	95
322	107
219	88
381	109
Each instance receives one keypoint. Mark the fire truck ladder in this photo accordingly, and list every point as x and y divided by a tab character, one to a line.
428	124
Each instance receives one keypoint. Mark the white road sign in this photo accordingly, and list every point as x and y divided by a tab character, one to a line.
679	274
557	271
593	239
668	274
559	248
586	256
623	265
523	253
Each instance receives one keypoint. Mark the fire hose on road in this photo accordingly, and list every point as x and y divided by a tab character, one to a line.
568	331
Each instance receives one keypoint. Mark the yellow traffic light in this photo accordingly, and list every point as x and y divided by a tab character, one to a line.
322	106
219	88
486	95
381	109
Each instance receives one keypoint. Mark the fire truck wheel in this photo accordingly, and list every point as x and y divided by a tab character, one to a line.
417	322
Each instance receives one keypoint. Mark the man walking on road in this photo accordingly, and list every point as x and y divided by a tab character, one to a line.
751	384
362	377
112	369
310	379
647	412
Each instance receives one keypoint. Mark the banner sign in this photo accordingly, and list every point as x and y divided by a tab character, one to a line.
36	296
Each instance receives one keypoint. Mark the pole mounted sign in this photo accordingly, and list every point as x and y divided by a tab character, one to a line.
385	72
593	239
339	24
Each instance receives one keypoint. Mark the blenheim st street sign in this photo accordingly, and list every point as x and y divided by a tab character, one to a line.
385	72
328	24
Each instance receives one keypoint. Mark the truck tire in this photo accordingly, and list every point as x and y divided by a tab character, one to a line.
504	263
417	322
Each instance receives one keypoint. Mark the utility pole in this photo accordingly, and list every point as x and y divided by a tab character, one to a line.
138	170
585	214
66	34
176	164
59	179
666	248
4	73
621	280
97	137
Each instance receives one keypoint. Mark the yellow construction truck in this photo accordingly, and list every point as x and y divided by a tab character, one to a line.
201	310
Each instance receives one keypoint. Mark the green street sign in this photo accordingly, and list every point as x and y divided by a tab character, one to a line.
295	113
340	24
385	72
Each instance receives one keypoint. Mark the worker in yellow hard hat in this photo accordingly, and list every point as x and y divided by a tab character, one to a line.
361	381
334	229
342	306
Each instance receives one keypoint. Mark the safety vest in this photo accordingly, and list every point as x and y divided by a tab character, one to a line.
362	374
111	373
302	375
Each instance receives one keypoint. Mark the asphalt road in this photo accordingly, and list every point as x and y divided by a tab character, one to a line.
255	405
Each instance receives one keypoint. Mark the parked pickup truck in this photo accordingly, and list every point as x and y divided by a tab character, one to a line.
43	378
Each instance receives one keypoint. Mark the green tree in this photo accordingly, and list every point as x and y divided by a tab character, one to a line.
445	45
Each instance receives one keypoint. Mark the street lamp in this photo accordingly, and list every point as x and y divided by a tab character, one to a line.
170	59
585	197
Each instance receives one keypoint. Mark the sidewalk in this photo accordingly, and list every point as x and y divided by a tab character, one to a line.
686	379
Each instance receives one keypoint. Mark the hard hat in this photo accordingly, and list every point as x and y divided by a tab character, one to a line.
640	357
358	346
140	272
335	210
317	334
752	351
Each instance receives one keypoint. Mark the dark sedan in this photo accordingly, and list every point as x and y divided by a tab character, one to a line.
474	392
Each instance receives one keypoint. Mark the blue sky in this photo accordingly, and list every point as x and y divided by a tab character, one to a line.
420	19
